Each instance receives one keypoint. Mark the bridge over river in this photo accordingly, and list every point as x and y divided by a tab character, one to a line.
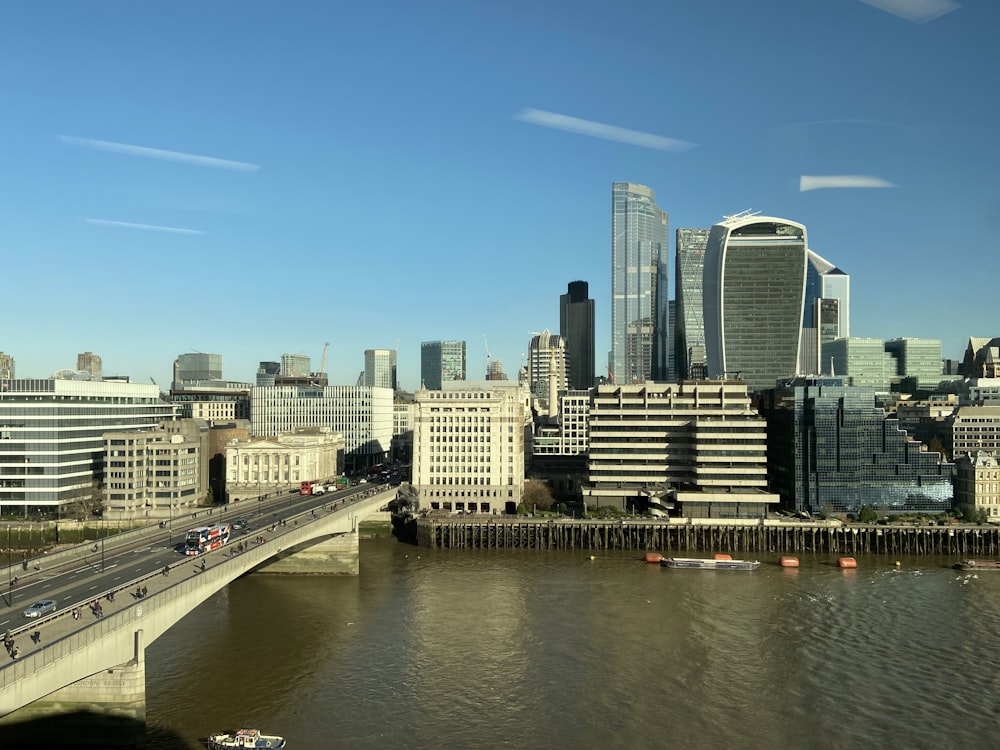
96	664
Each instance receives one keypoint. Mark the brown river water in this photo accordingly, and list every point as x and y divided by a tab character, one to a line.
525	649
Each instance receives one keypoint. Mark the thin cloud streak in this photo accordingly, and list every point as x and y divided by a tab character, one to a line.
159	153
148	227
917	11
820	182
601	130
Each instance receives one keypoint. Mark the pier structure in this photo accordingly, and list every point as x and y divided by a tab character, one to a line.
711	535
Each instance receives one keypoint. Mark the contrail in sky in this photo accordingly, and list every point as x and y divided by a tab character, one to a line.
601	130
818	182
159	153
150	227
918	11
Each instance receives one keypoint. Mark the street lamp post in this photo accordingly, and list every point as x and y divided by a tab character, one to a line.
10	566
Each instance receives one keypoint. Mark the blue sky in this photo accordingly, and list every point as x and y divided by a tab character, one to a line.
254	178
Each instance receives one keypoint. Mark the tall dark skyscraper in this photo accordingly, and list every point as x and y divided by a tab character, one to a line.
689	321
639	285
576	326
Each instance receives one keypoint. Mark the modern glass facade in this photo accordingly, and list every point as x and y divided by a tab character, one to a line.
863	360
295	366
830	449
576	326
197	367
380	368
917	358
689	323
639	285
754	298
441	361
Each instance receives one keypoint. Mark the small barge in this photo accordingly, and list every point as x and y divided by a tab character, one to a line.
978	565
700	563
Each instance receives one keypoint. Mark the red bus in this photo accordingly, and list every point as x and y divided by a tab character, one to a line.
306	488
205	539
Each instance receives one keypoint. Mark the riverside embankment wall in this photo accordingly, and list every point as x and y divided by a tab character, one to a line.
708	535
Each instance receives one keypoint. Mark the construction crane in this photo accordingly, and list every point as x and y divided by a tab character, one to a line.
322	364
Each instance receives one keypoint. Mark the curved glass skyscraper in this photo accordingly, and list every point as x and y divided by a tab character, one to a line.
639	285
754	299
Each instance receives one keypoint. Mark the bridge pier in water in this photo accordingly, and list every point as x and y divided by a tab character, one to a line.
104	710
338	554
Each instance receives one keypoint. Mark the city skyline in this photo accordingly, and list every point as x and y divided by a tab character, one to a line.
225	200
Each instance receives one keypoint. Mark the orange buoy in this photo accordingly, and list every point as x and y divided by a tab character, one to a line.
722	556
788	561
653	557
847	562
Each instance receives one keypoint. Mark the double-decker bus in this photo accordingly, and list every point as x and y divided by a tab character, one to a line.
305	488
207	538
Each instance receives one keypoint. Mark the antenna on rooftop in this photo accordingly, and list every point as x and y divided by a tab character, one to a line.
741	215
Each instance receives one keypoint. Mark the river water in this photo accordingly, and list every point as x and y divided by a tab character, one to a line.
524	649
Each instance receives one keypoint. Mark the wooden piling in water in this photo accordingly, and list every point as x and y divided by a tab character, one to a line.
718	536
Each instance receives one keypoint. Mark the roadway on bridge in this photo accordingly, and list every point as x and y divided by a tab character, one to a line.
80	581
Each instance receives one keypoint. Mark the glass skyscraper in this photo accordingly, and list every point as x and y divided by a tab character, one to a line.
689	326
639	285
380	368
441	361
754	299
576	326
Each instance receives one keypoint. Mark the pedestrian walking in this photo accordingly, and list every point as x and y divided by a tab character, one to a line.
144	591
36	636
15	652
203	564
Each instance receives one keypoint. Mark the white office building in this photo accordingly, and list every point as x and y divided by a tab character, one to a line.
468	446
363	415
52	436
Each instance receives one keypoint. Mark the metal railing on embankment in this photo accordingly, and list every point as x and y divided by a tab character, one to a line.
712	535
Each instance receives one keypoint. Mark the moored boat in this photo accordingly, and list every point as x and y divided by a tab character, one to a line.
653	557
701	563
245	738
978	565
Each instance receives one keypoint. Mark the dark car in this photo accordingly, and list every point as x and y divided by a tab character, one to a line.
38	609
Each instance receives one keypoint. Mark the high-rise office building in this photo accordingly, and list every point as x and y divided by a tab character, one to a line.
917	358
576	326
267	372
89	363
826	312
754	298
380	368
860	361
296	366
441	361
689	323
547	364
6	366
197	367
639	285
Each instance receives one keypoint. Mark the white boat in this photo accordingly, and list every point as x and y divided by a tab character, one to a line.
700	563
245	738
